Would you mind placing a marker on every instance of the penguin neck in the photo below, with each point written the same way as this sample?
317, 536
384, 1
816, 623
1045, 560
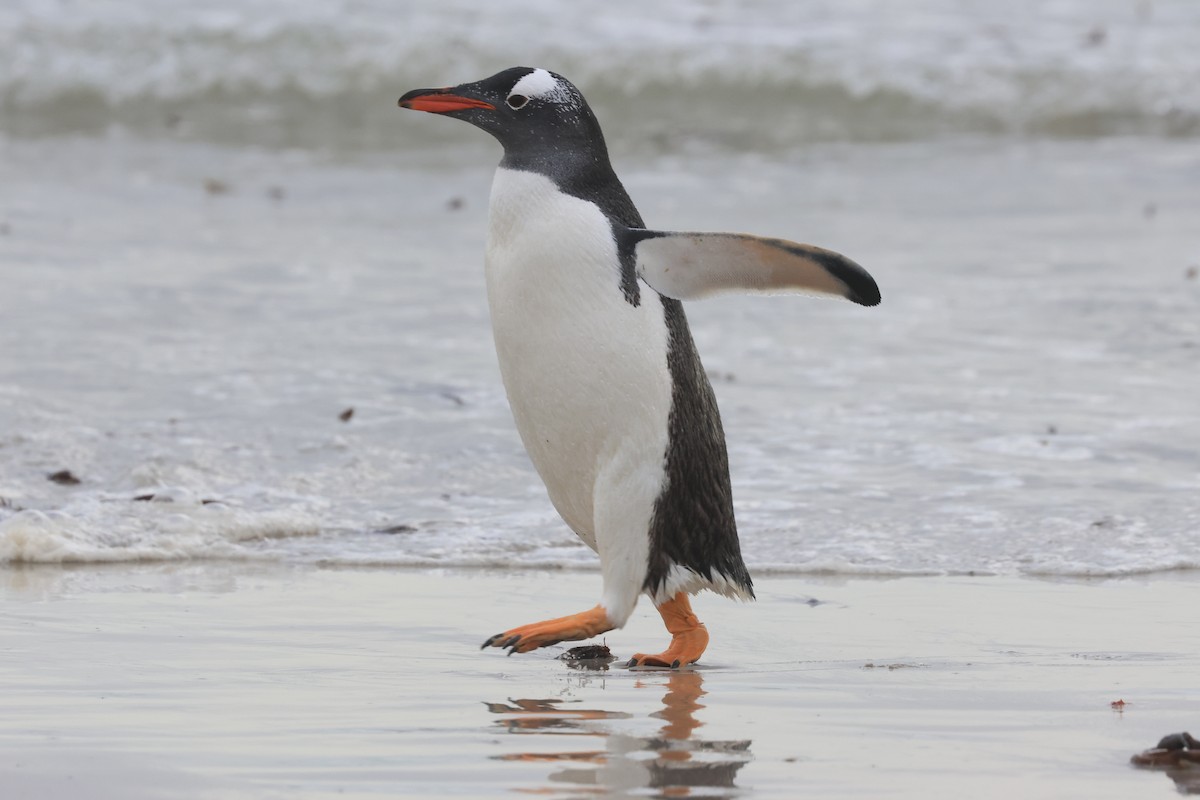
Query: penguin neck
583, 171
565, 163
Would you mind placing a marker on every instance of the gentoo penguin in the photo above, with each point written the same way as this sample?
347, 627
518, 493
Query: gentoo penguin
604, 381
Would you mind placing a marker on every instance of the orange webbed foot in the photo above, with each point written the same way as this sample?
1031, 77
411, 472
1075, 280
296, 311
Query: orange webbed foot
584, 625
689, 637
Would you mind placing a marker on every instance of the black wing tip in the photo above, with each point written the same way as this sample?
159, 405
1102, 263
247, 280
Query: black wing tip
860, 286
865, 295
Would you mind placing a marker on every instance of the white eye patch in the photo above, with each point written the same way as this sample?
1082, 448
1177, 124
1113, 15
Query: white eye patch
541, 85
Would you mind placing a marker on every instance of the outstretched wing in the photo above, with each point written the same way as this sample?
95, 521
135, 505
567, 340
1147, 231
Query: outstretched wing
691, 265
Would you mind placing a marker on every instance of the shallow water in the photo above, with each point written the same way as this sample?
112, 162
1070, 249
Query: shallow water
1022, 401
260, 681
217, 234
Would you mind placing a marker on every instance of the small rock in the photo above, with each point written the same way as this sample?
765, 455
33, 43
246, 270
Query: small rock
1192, 272
393, 529
1150, 210
1174, 751
1178, 741
161, 497
347, 414
588, 656
215, 186
63, 477
455, 204
277, 193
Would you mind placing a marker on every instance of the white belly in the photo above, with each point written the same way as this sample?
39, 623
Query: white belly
585, 371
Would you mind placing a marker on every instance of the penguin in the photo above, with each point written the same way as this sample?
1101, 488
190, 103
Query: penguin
605, 385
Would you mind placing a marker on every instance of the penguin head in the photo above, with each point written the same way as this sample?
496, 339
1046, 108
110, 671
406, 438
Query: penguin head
537, 115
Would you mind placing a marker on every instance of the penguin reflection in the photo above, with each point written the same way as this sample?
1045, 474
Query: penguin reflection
681, 759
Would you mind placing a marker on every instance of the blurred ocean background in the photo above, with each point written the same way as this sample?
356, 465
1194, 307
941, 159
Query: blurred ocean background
242, 312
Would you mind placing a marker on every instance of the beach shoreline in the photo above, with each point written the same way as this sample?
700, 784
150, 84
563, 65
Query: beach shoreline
215, 679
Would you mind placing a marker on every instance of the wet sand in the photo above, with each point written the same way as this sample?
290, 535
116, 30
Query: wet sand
241, 680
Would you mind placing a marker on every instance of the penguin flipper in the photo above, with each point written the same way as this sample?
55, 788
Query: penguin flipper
686, 266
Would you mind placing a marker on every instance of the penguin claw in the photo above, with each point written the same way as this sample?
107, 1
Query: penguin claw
659, 661
505, 639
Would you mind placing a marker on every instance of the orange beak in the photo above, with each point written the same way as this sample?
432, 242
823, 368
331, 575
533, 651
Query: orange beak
440, 101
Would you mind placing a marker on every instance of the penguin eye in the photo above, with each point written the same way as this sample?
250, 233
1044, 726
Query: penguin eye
516, 101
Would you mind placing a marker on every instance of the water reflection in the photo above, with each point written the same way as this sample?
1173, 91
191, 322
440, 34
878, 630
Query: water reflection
674, 762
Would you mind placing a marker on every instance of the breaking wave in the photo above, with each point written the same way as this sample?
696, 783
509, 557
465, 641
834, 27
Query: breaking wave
328, 74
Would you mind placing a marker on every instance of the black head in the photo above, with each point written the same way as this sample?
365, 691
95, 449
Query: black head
539, 117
